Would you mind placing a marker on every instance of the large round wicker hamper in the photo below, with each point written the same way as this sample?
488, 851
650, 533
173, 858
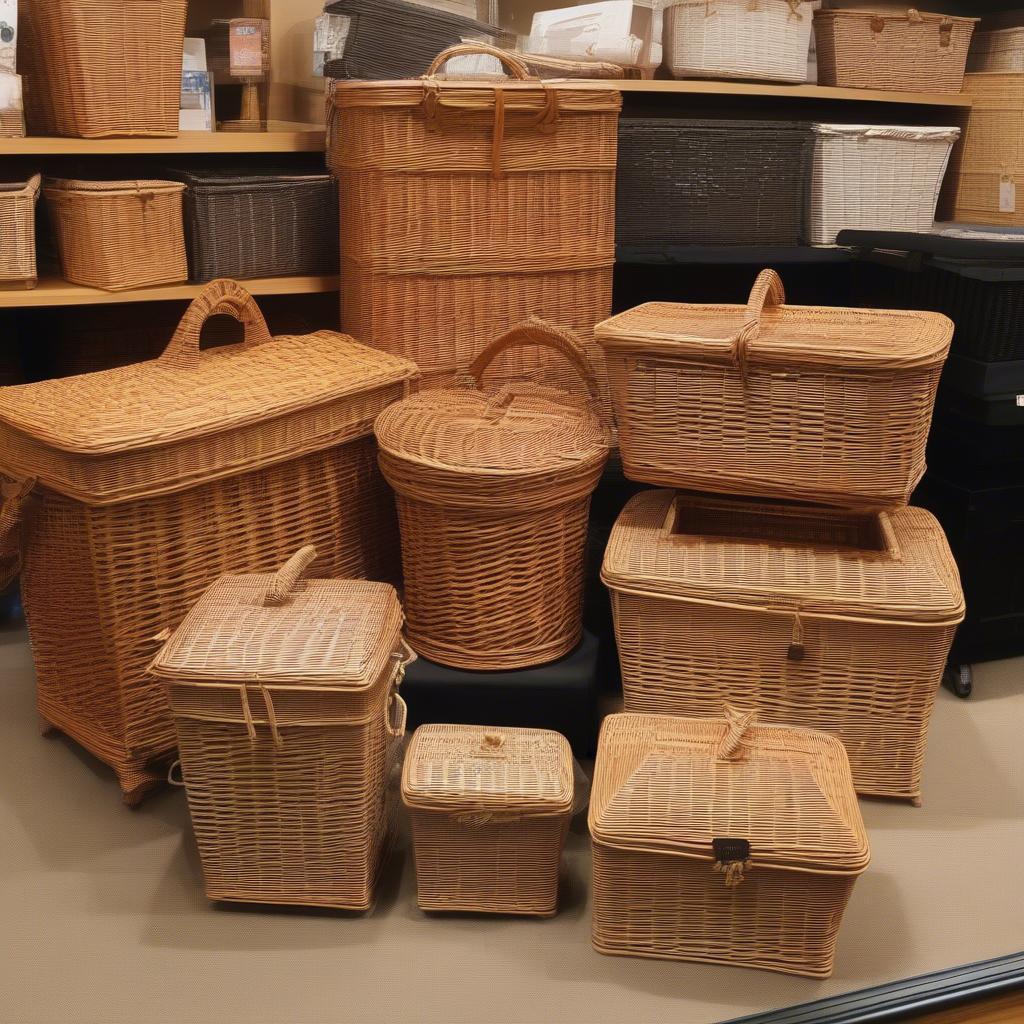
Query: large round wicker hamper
493, 500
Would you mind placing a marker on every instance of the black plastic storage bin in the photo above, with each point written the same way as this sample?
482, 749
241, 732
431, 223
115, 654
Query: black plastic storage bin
690, 182
259, 223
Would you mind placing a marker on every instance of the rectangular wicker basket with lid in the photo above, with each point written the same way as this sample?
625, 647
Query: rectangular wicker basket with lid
156, 478
490, 809
796, 402
284, 694
723, 842
832, 620
468, 206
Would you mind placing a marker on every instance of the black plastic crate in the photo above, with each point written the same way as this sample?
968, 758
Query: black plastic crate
958, 443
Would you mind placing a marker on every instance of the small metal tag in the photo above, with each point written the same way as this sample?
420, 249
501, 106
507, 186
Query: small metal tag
730, 851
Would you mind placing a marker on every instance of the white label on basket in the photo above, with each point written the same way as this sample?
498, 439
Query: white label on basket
1020, 401
1007, 197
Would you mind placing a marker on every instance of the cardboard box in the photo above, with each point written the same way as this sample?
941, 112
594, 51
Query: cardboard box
8, 35
626, 32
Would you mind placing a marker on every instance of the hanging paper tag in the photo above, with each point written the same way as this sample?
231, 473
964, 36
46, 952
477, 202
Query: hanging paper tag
1020, 401
1007, 197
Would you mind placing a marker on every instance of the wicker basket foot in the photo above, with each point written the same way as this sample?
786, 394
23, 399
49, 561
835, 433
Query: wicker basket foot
916, 801
47, 728
134, 790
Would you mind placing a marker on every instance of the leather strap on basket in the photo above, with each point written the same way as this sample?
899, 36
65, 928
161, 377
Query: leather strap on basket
732, 856
218, 297
768, 290
282, 583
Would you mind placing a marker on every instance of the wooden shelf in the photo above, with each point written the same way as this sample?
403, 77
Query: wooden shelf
57, 292
284, 137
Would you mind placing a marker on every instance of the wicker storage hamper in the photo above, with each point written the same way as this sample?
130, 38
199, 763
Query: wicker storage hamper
467, 207
712, 182
796, 402
885, 177
490, 809
259, 223
284, 694
833, 620
117, 235
723, 842
493, 498
97, 68
1000, 51
18, 233
155, 478
904, 51
767, 40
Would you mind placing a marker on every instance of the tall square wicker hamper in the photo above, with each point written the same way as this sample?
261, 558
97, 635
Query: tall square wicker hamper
284, 694
490, 809
468, 206
723, 842
156, 478
832, 620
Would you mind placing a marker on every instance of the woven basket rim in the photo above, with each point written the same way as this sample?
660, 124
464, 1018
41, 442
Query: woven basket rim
925, 16
716, 124
105, 188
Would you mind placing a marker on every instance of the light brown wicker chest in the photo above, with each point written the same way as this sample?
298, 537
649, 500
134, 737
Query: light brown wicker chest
723, 842
490, 809
284, 695
155, 478
830, 620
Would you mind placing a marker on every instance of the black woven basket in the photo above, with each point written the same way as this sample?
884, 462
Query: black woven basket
260, 224
712, 182
391, 39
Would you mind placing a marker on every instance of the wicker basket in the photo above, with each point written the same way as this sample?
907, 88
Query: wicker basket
840, 621
712, 182
96, 68
876, 176
493, 496
18, 233
490, 809
284, 693
118, 235
259, 224
768, 40
1000, 51
156, 478
794, 402
723, 842
904, 51
467, 207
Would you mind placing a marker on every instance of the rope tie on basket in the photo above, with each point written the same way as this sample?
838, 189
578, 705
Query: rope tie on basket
737, 723
733, 870
250, 725
498, 139
797, 649
275, 733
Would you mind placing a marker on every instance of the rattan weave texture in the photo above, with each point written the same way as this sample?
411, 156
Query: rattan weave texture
284, 695
490, 809
795, 402
18, 233
665, 789
493, 499
117, 235
830, 620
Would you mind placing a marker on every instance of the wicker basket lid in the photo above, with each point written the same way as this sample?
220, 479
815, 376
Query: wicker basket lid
765, 331
890, 566
281, 628
474, 769
727, 791
55, 187
906, 133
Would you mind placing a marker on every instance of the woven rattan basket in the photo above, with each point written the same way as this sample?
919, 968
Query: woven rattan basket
118, 235
833, 620
1000, 51
256, 223
155, 478
18, 233
723, 842
490, 809
284, 694
795, 402
904, 51
884, 177
467, 207
493, 497
96, 68
767, 40
712, 182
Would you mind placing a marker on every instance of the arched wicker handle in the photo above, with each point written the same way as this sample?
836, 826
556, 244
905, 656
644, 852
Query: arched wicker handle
283, 582
768, 291
509, 61
738, 722
538, 332
223, 296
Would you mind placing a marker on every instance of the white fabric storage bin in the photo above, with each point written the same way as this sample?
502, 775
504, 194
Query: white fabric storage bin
768, 40
626, 32
876, 177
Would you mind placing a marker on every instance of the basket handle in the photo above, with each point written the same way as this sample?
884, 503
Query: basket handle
768, 291
282, 583
218, 297
535, 331
516, 68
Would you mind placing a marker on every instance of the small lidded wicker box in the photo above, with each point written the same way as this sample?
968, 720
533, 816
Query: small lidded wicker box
490, 809
723, 842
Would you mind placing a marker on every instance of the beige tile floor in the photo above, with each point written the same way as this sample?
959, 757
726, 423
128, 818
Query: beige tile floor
103, 919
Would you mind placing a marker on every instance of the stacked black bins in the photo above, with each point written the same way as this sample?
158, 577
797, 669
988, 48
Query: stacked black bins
975, 480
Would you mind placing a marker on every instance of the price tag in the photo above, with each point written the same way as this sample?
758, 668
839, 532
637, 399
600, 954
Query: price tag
1007, 197
1020, 401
